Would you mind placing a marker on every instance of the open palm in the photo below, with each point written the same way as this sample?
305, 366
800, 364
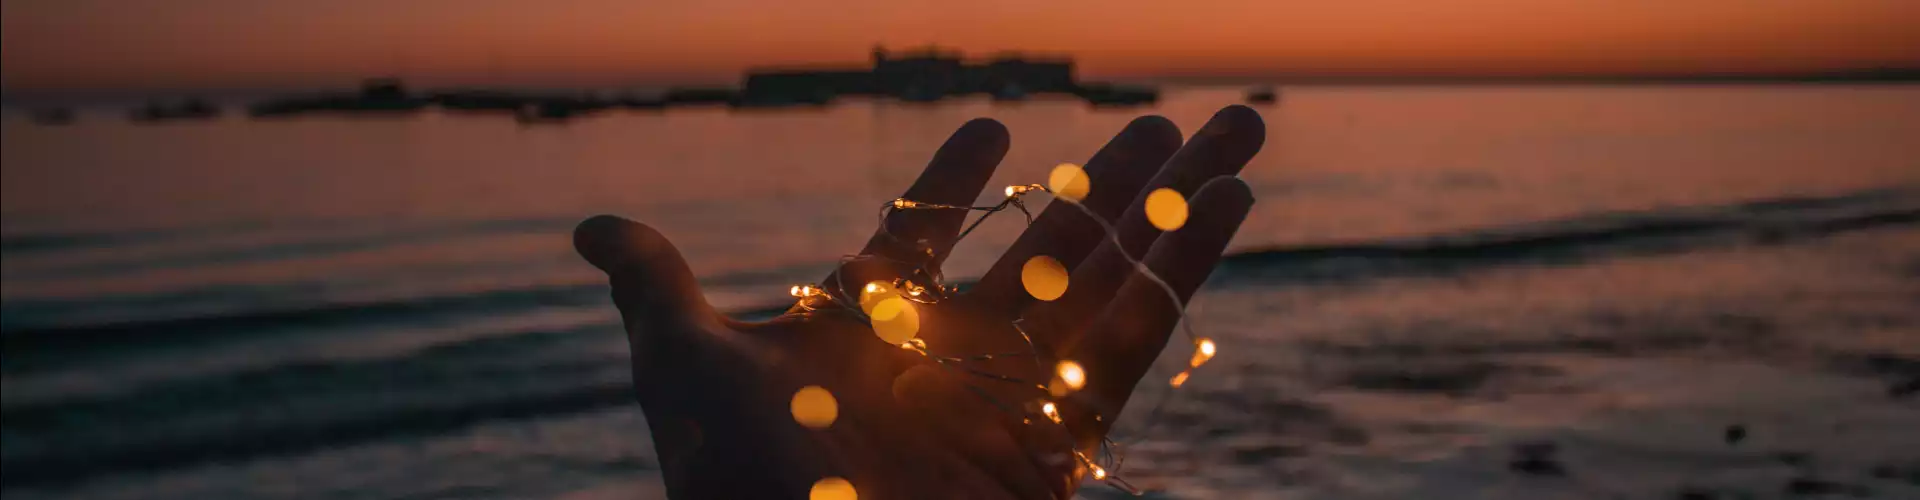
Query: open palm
716, 391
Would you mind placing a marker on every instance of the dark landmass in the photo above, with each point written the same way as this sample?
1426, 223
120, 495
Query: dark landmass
190, 109
52, 116
380, 95
922, 75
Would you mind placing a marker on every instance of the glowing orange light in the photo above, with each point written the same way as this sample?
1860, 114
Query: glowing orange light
894, 320
1166, 209
1069, 181
1052, 412
1044, 277
1071, 374
832, 488
814, 407
1203, 350
1178, 379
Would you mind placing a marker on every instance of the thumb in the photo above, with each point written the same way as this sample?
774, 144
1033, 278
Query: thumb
653, 288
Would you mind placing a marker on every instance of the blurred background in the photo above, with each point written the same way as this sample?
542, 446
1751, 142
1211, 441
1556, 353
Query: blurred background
1503, 249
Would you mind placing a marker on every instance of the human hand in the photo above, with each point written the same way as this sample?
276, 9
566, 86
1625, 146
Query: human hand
716, 391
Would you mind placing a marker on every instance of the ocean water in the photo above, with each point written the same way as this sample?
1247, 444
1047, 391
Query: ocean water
1443, 292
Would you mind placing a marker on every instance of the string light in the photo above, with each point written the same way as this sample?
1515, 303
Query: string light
1166, 209
890, 308
1052, 412
1202, 351
1044, 278
1071, 374
1069, 182
814, 407
832, 488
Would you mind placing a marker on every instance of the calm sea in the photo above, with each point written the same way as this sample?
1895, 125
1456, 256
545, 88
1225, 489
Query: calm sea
1444, 292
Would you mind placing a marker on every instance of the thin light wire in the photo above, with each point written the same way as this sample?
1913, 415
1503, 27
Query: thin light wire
934, 290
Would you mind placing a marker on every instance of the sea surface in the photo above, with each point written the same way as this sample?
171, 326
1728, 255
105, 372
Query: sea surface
1443, 292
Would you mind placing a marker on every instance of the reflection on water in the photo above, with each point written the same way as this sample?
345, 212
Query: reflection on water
1440, 290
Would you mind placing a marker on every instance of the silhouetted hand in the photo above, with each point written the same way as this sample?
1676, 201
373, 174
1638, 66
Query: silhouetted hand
716, 392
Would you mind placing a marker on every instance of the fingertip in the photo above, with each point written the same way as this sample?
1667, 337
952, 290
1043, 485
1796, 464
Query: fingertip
1153, 133
609, 242
982, 131
1237, 119
1225, 189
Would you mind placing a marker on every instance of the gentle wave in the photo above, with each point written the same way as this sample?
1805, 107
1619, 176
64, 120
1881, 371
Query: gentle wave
1578, 239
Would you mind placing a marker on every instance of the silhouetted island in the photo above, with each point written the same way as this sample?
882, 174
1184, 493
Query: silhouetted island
920, 75
52, 116
379, 95
190, 109
926, 74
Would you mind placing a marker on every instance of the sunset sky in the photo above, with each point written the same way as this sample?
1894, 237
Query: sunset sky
111, 44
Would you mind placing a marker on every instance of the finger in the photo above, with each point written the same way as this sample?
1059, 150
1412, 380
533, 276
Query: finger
657, 295
1134, 327
954, 177
1221, 148
1066, 233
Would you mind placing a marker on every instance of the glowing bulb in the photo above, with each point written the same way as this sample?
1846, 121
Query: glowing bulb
1071, 374
1098, 473
1203, 350
1166, 209
814, 407
832, 488
806, 291
1044, 278
795, 291
1052, 412
904, 203
875, 287
894, 320
1069, 181
1178, 379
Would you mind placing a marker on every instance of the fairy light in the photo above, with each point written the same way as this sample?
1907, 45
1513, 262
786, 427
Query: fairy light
1071, 374
1202, 351
1069, 182
1166, 209
1044, 278
814, 407
891, 308
832, 488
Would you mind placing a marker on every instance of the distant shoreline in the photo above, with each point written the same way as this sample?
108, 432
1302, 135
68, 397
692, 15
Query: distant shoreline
12, 98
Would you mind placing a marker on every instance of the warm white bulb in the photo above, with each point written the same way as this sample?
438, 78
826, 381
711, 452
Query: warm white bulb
1072, 374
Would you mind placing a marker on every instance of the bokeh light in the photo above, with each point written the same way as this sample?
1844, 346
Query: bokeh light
832, 488
1166, 209
814, 407
1071, 374
1044, 277
1069, 181
895, 320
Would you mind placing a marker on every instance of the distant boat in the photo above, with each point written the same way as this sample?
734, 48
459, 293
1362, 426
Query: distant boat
191, 109
1116, 95
1262, 95
52, 116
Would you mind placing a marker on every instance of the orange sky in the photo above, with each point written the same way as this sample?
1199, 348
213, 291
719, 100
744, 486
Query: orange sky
50, 44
